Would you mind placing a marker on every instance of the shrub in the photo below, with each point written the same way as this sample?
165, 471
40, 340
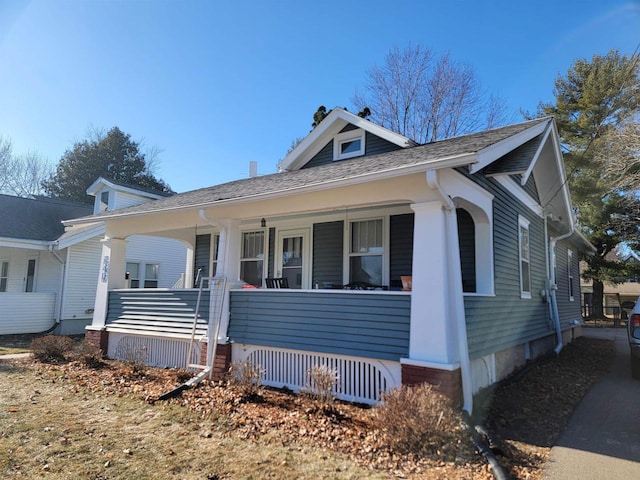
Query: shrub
135, 356
51, 348
88, 354
321, 381
418, 419
247, 376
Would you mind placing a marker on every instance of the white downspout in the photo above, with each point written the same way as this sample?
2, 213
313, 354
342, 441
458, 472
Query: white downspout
455, 285
552, 284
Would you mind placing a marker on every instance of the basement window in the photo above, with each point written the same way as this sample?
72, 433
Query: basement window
349, 144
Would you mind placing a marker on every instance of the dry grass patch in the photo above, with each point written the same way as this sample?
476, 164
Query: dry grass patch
52, 426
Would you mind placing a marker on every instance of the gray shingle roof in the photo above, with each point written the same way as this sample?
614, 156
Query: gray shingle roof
422, 155
36, 219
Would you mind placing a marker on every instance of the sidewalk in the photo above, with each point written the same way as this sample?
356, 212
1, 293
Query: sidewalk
602, 439
14, 356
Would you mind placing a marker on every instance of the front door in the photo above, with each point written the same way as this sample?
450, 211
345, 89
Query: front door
292, 260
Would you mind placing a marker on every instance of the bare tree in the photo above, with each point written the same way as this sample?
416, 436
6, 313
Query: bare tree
427, 97
6, 164
30, 171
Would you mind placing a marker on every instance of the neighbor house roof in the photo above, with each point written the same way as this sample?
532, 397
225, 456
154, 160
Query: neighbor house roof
452, 152
37, 219
102, 182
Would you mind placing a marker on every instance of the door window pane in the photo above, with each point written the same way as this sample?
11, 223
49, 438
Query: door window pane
292, 261
133, 269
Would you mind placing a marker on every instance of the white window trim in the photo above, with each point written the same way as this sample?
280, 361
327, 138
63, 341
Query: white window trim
265, 250
351, 135
570, 278
142, 277
523, 222
4, 260
385, 246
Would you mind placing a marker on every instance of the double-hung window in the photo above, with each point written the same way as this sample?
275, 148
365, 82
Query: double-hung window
252, 258
4, 275
366, 252
525, 258
143, 274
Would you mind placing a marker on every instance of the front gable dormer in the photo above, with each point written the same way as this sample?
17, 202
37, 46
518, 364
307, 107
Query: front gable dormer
110, 195
340, 136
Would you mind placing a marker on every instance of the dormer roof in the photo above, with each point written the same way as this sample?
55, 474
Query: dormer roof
101, 183
332, 125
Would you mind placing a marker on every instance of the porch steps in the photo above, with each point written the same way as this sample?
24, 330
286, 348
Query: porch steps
157, 312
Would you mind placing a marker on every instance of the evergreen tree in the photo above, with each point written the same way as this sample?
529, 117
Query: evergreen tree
595, 102
113, 156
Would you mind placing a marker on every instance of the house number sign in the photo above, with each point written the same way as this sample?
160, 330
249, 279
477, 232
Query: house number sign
105, 269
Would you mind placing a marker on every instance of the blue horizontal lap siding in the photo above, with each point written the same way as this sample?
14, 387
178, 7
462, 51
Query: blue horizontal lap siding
358, 324
506, 320
157, 311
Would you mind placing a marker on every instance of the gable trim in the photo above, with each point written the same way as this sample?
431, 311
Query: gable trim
330, 127
493, 152
514, 189
527, 174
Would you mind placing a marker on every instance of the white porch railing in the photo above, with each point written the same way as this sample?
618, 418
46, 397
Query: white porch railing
32, 312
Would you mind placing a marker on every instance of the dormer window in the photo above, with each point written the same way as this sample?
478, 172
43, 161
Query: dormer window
348, 144
104, 201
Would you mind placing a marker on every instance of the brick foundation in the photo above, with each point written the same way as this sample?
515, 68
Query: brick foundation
221, 362
447, 382
99, 338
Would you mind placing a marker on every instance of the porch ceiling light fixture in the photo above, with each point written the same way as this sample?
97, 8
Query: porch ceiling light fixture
263, 223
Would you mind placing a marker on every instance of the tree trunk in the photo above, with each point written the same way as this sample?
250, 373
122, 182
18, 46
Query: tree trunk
597, 300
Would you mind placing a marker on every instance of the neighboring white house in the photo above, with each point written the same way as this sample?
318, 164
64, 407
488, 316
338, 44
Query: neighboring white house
48, 274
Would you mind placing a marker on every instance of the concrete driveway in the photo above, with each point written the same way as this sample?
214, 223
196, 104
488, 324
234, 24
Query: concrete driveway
602, 439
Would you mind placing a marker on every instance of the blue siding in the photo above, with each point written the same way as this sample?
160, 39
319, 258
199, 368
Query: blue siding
371, 325
373, 146
506, 320
155, 311
400, 248
327, 253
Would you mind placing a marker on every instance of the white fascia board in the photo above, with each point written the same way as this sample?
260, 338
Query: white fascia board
514, 189
526, 175
566, 195
25, 243
495, 151
82, 235
330, 126
94, 188
445, 162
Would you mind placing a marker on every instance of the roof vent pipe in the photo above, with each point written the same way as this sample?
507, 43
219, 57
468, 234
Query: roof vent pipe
253, 169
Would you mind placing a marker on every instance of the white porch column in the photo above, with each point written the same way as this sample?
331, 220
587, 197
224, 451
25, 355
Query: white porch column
229, 249
111, 275
228, 265
432, 331
188, 269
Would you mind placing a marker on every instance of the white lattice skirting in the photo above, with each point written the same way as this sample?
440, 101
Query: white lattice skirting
359, 379
153, 351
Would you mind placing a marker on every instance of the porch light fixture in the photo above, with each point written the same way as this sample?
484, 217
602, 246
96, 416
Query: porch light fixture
263, 223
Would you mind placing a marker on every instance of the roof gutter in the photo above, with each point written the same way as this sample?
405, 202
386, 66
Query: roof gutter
455, 287
445, 162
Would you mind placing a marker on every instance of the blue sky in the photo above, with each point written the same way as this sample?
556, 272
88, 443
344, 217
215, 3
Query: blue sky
217, 84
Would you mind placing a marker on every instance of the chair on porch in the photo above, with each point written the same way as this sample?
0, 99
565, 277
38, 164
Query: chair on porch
277, 282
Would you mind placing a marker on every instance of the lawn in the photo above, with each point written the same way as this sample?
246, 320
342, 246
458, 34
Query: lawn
71, 421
